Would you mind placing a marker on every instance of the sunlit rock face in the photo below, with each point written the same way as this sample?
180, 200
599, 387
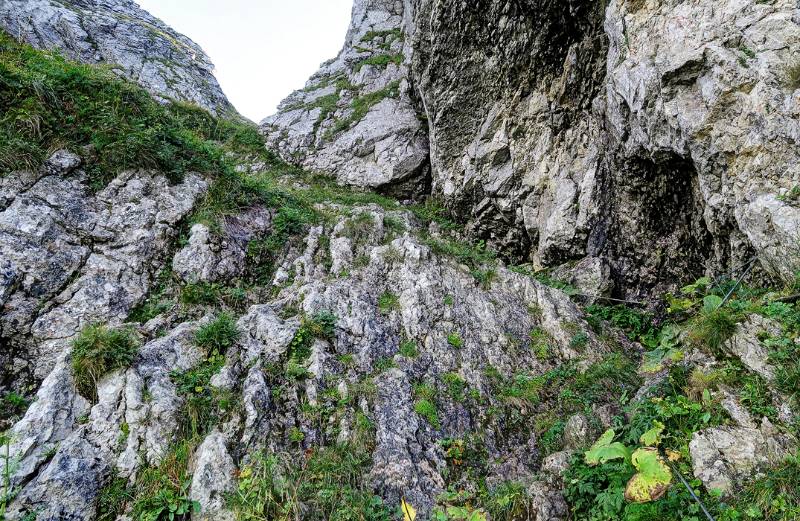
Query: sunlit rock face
355, 118
121, 34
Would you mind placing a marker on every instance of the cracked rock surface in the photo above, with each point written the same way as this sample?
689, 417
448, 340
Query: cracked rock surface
73, 257
120, 33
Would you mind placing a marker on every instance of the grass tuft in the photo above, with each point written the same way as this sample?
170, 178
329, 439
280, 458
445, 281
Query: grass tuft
97, 351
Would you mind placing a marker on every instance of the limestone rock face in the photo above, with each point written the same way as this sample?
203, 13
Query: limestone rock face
723, 455
120, 33
491, 323
658, 135
72, 258
355, 118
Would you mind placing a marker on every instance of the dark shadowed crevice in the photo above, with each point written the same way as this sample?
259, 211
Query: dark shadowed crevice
654, 234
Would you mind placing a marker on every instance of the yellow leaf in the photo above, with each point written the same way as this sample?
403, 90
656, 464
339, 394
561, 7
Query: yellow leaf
673, 455
409, 514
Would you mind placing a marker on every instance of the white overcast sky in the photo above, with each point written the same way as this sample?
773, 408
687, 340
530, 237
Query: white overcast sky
262, 49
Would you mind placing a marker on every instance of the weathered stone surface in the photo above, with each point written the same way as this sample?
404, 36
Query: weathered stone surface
577, 432
215, 257
213, 479
745, 344
355, 118
723, 455
78, 257
120, 33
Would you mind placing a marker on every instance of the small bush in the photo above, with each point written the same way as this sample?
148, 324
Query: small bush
712, 328
97, 351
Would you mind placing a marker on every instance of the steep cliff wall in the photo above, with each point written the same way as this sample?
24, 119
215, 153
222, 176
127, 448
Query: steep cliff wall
121, 34
355, 117
657, 139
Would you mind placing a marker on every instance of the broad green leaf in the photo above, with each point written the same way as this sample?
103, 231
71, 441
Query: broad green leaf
655, 360
653, 478
699, 285
409, 514
711, 303
679, 304
652, 437
605, 450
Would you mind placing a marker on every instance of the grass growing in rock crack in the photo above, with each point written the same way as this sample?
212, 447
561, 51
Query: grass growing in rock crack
162, 492
424, 406
12, 406
218, 335
203, 404
98, 350
361, 105
212, 294
388, 302
455, 340
324, 483
408, 348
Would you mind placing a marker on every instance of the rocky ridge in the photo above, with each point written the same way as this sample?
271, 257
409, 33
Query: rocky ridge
125, 37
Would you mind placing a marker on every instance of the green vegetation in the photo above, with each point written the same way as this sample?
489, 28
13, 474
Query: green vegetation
98, 350
211, 294
384, 364
597, 483
380, 60
455, 386
322, 325
388, 36
361, 105
424, 405
218, 335
12, 405
793, 195
112, 499
162, 492
773, 497
203, 404
324, 483
637, 326
468, 497
408, 348
157, 302
48, 101
454, 339
388, 302
478, 258
541, 343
